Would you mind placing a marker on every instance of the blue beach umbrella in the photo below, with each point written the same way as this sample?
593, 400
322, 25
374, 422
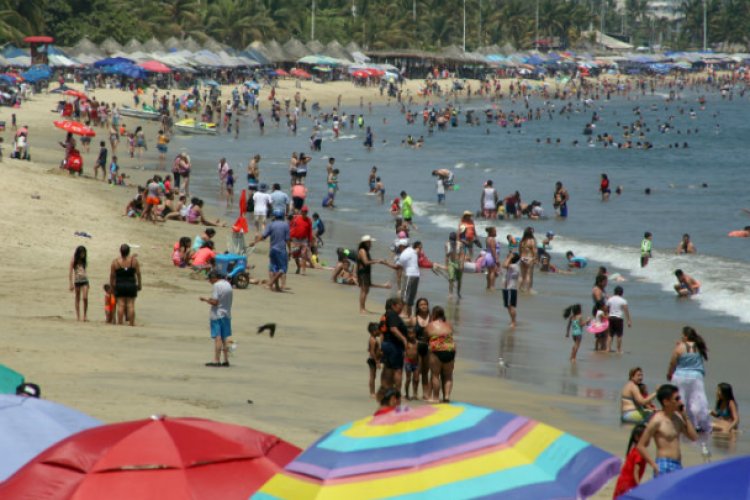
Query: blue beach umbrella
454, 451
724, 479
29, 426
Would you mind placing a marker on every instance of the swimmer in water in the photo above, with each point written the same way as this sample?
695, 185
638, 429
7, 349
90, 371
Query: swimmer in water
686, 246
686, 284
741, 233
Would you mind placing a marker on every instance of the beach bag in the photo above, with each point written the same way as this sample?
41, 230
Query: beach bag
75, 162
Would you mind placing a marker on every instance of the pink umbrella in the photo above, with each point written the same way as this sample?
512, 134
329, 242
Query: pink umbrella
155, 67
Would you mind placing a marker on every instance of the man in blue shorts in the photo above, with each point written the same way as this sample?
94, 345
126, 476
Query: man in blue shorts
278, 256
220, 316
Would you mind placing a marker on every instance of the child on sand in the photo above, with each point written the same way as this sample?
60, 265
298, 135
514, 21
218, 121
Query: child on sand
573, 315
109, 305
411, 363
319, 229
634, 465
113, 168
373, 349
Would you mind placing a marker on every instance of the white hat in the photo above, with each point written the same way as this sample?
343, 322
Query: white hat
365, 238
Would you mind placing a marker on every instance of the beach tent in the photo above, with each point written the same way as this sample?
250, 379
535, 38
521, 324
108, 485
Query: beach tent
172, 43
335, 50
61, 61
277, 53
256, 56
212, 45
153, 45
315, 47
87, 47
37, 73
87, 59
110, 46
10, 51
319, 60
19, 61
126, 69
206, 58
132, 46
296, 49
190, 44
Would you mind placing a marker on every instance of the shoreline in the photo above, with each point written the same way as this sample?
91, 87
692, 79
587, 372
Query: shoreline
120, 373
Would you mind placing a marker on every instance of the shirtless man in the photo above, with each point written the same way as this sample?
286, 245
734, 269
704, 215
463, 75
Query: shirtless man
560, 200
665, 428
686, 284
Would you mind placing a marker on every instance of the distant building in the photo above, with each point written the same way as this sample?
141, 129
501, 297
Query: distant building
665, 9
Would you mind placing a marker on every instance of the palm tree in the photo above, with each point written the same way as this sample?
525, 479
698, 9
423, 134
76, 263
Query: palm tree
19, 18
230, 22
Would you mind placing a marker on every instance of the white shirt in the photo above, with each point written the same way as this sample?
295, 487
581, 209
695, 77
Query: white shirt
409, 260
261, 202
222, 291
440, 186
616, 305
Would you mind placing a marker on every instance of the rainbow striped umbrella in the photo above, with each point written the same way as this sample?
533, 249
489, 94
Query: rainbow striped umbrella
451, 451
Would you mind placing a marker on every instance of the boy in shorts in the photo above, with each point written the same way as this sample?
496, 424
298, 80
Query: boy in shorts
373, 358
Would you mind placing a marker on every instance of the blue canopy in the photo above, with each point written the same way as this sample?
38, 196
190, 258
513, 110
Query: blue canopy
37, 73
126, 69
11, 51
112, 61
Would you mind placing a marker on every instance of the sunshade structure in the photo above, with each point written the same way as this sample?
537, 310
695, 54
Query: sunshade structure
728, 478
153, 45
29, 426
133, 46
322, 60
213, 45
111, 61
315, 47
296, 49
451, 451
110, 46
300, 73
76, 128
9, 378
155, 67
336, 51
164, 458
172, 43
85, 47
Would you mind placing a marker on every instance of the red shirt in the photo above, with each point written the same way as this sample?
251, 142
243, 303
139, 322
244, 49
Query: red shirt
202, 256
383, 411
626, 481
301, 228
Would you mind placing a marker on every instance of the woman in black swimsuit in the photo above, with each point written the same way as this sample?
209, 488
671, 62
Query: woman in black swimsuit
422, 318
125, 280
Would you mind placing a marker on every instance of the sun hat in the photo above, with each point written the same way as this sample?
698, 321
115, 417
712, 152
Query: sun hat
366, 238
468, 212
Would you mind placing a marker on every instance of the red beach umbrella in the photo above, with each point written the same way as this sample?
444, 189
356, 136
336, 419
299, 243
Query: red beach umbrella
360, 74
156, 458
280, 72
375, 71
76, 93
155, 67
300, 73
76, 128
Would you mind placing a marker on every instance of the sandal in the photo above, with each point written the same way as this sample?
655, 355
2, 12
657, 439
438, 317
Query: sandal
225, 363
213, 364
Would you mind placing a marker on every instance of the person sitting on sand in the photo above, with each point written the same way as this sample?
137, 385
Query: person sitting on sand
634, 406
389, 399
195, 215
726, 415
686, 284
182, 255
202, 238
203, 258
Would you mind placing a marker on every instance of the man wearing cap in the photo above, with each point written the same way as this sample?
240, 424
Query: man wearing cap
278, 230
261, 202
300, 231
220, 316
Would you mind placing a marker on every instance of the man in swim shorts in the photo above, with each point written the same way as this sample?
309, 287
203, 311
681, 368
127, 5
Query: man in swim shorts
618, 313
220, 316
665, 428
686, 284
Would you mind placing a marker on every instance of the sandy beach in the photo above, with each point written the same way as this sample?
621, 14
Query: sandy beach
308, 379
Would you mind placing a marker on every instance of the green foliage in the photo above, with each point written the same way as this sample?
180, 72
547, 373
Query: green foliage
373, 23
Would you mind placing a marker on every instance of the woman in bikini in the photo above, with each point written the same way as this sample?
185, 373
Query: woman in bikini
527, 250
79, 282
125, 281
634, 407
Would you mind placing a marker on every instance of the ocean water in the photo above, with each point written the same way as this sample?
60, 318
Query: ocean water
700, 190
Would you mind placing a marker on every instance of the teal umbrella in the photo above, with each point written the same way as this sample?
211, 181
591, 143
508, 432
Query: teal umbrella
9, 380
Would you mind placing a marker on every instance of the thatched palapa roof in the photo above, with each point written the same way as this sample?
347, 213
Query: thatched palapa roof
296, 49
315, 47
132, 46
277, 53
172, 43
85, 46
153, 45
110, 46
213, 45
190, 44
335, 50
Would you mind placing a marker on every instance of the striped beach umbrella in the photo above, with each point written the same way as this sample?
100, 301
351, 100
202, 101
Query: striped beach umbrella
454, 451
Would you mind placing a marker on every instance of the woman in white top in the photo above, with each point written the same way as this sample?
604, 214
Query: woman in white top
489, 201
